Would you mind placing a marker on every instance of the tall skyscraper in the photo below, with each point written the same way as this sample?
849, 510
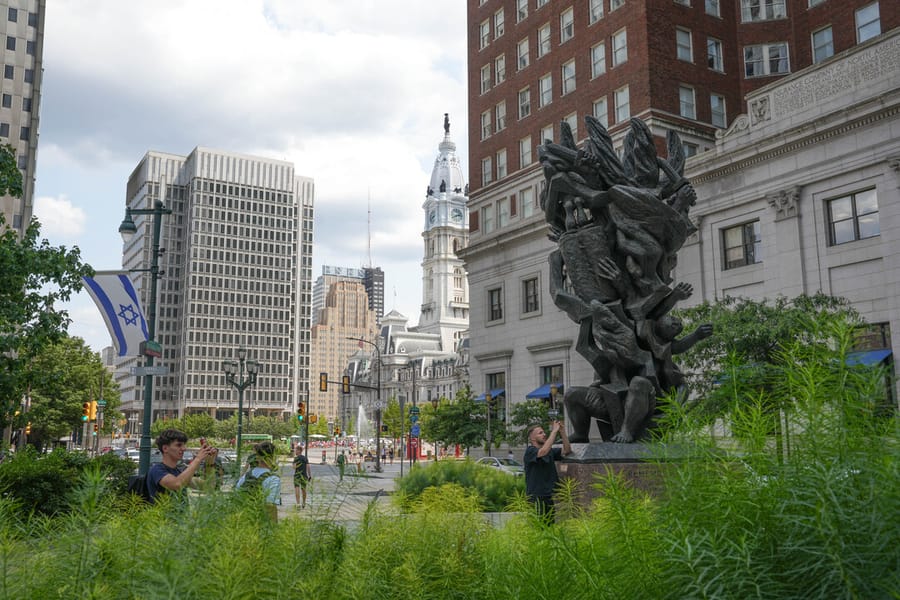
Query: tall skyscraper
330, 275
373, 279
680, 65
23, 33
237, 273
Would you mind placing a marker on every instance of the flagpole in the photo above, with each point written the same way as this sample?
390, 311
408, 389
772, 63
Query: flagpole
127, 228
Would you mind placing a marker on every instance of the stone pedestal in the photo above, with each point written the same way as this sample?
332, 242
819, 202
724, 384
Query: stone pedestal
638, 463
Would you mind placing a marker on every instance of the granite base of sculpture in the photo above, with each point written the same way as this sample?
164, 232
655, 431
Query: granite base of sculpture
618, 225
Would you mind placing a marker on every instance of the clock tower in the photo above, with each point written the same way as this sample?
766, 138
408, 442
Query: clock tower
445, 289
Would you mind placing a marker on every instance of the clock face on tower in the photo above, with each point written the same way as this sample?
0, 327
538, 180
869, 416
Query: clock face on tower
432, 216
456, 215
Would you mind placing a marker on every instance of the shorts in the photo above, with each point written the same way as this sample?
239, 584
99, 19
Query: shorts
301, 482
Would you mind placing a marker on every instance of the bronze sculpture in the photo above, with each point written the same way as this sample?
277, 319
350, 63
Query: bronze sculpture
618, 225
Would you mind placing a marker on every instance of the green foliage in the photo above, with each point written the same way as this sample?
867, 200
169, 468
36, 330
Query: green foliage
10, 175
524, 415
494, 488
41, 484
34, 279
462, 422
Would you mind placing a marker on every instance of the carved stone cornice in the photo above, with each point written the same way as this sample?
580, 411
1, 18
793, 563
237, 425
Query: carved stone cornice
785, 202
894, 162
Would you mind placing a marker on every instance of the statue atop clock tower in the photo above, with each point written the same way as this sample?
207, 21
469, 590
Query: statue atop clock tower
445, 290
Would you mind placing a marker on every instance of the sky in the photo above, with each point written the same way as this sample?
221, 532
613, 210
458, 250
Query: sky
353, 92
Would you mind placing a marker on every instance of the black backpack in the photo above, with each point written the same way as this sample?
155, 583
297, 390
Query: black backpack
137, 485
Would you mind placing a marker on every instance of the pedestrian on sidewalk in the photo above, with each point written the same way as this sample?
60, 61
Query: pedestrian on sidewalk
341, 463
302, 475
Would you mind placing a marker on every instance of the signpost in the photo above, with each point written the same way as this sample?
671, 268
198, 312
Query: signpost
150, 370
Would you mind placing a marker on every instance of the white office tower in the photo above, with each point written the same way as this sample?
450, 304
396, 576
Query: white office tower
237, 264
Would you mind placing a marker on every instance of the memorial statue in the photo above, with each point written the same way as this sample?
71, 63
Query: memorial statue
618, 225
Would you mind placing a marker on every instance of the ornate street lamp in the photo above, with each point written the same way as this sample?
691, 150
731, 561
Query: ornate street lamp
234, 374
127, 229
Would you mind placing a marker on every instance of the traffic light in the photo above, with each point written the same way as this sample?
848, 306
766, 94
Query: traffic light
93, 413
337, 431
323, 382
345, 384
28, 428
96, 428
301, 411
313, 419
85, 411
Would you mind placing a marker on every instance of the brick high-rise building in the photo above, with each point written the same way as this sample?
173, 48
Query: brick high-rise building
22, 29
680, 65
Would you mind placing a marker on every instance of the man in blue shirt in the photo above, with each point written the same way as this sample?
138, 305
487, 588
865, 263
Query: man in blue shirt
166, 476
540, 466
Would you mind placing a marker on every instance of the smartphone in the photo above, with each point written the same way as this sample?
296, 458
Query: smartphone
552, 414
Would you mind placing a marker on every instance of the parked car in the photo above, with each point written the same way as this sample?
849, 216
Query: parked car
506, 465
134, 454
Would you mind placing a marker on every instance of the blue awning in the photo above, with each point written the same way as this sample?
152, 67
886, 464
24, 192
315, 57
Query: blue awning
544, 391
495, 393
868, 358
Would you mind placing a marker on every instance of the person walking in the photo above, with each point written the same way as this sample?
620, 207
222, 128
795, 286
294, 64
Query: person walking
341, 463
264, 474
302, 475
540, 459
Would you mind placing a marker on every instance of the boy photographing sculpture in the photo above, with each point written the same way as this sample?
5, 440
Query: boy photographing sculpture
167, 477
540, 466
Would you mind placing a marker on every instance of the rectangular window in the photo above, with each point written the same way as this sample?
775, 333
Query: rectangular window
619, 47
568, 77
8, 71
822, 44
7, 101
523, 53
540, 3
32, 19
623, 108
496, 381
499, 23
868, 22
687, 105
485, 33
853, 217
552, 374
526, 200
12, 15
500, 69
601, 111
11, 42
4, 130
566, 25
524, 103
598, 60
521, 10
501, 169
742, 245
546, 90
543, 40
524, 152
683, 2
762, 10
689, 149
547, 134
614, 4
712, 7
495, 304
30, 48
29, 75
486, 173
595, 11
25, 133
766, 59
485, 78
714, 55
487, 218
530, 296
683, 46
500, 116
26, 104
717, 110
485, 124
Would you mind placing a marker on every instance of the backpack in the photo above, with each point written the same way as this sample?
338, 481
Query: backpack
253, 483
137, 485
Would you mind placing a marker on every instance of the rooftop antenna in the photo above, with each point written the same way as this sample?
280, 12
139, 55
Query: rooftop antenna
369, 242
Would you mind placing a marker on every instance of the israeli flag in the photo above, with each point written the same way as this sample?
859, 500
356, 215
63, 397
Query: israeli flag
117, 300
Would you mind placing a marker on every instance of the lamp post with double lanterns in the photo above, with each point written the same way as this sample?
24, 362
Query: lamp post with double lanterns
378, 405
234, 374
150, 348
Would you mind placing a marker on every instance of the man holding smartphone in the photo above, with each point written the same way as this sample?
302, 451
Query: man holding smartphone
167, 476
540, 466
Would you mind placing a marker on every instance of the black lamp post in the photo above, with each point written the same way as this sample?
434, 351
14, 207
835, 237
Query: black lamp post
127, 229
377, 403
488, 401
435, 402
234, 374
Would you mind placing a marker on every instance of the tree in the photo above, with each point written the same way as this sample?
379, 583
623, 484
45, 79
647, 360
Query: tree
748, 335
524, 415
63, 376
34, 278
460, 422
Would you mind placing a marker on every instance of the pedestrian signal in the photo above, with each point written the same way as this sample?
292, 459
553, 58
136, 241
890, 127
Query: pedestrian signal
323, 382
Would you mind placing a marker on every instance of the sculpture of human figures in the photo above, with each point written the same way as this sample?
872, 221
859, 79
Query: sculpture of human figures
618, 226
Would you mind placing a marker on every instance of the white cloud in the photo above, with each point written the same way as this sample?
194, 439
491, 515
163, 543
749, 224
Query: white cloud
59, 217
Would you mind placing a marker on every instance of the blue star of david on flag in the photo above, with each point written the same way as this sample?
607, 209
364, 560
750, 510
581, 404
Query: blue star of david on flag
117, 300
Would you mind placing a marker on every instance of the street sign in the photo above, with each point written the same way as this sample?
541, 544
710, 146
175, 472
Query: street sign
413, 418
101, 402
154, 370
414, 431
379, 404
414, 410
